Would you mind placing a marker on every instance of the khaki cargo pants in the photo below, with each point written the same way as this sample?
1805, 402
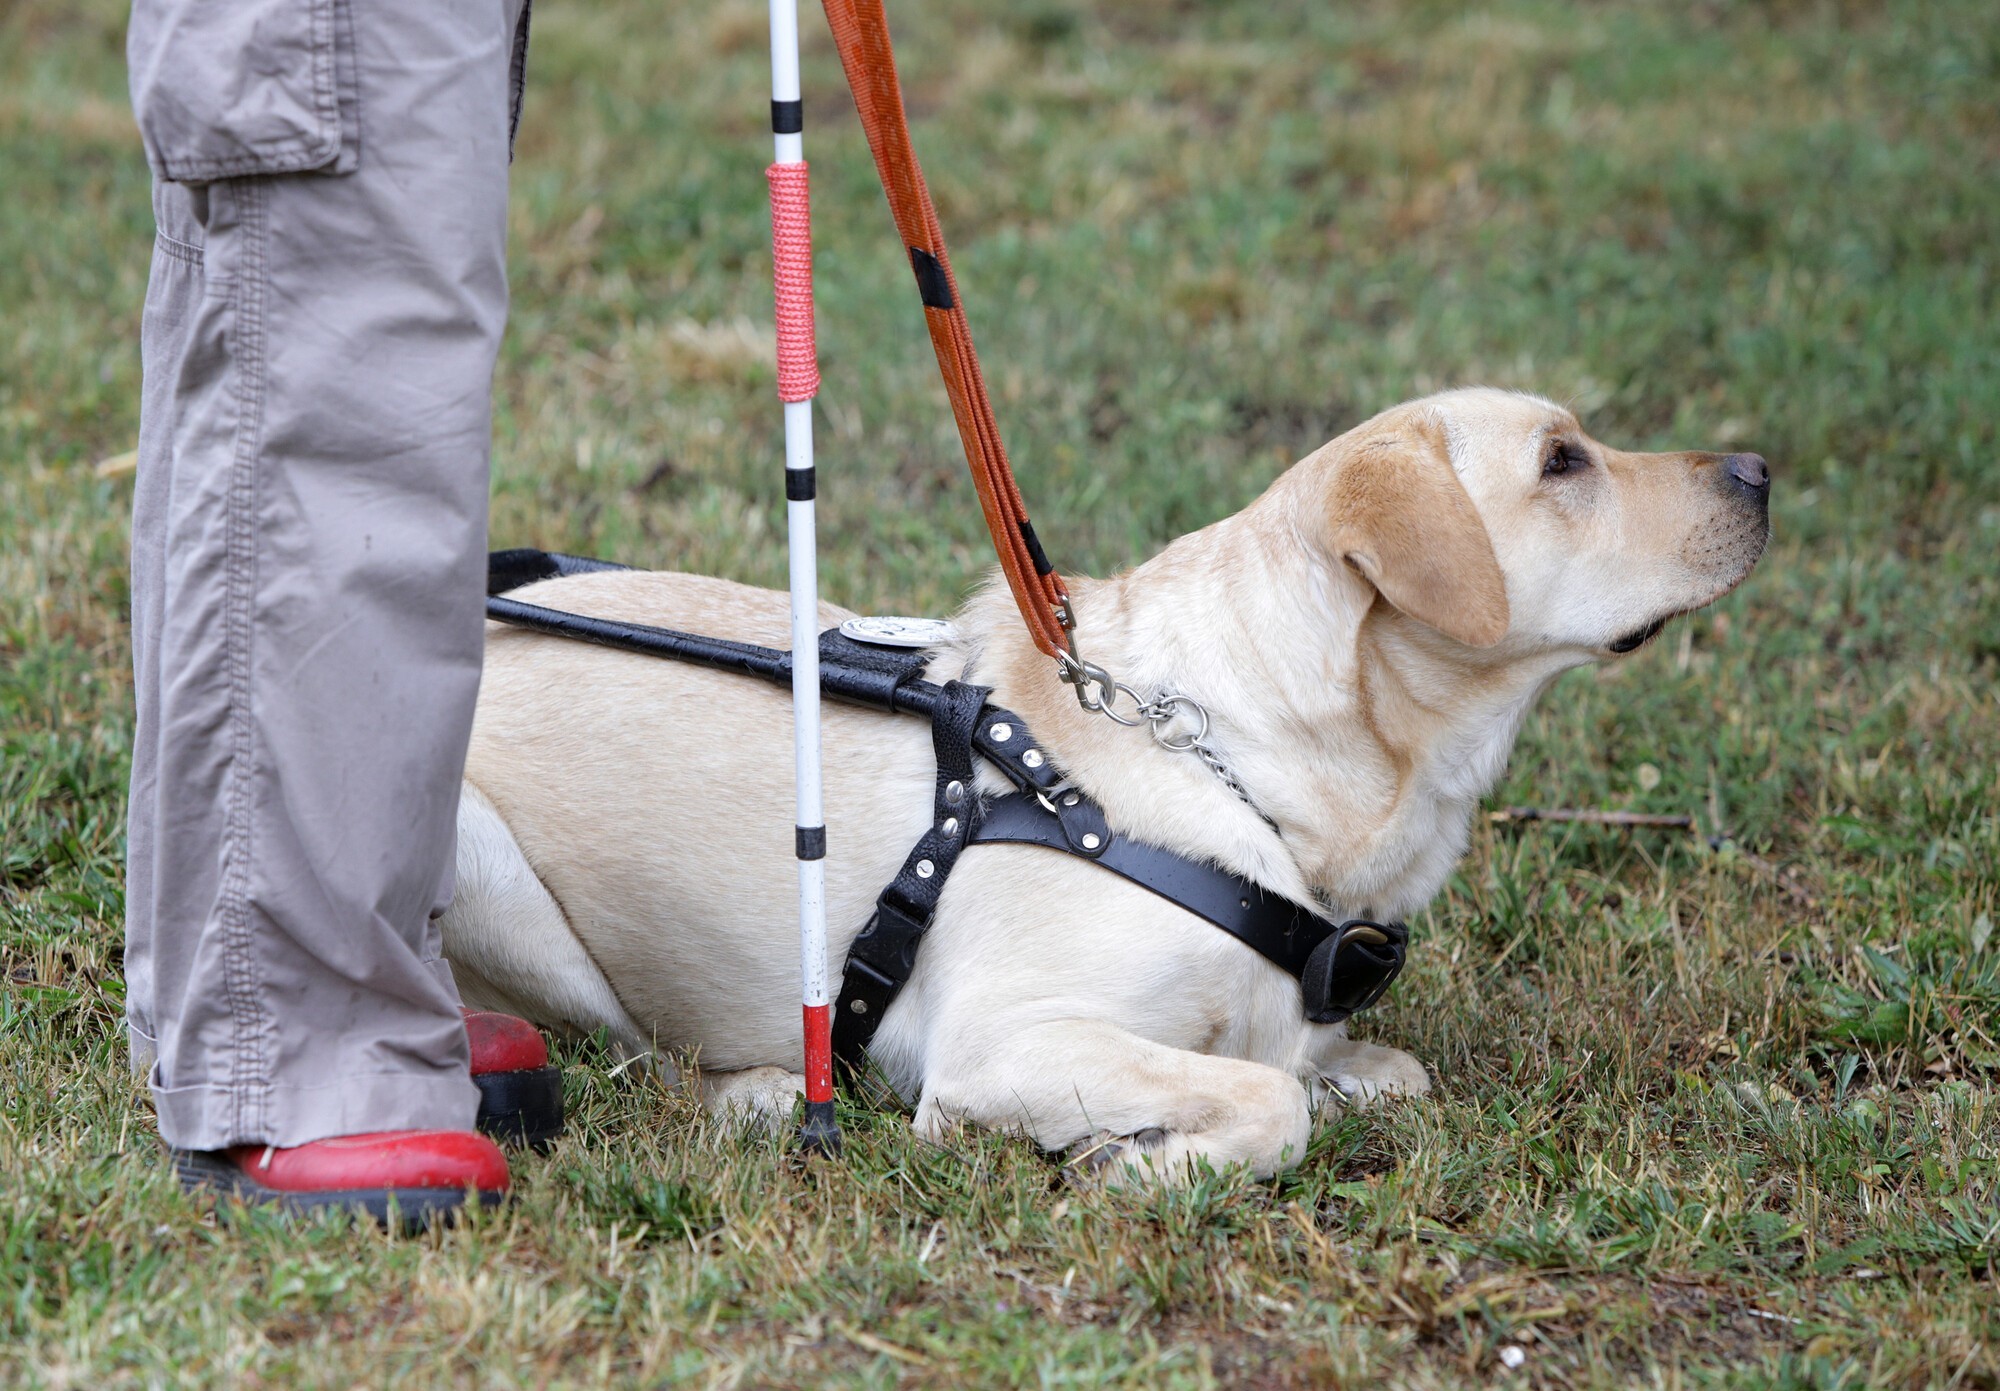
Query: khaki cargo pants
308, 539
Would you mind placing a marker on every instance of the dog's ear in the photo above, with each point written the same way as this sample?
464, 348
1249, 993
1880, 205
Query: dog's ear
1398, 516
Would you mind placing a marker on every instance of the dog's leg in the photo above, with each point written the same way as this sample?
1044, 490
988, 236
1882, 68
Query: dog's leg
1363, 1072
510, 946
761, 1096
1134, 1111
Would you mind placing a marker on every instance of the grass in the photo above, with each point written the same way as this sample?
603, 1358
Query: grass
1705, 1116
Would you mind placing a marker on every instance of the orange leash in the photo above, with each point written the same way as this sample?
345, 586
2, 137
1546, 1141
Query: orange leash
861, 33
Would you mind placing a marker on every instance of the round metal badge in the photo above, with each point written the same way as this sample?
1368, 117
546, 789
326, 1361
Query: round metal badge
900, 632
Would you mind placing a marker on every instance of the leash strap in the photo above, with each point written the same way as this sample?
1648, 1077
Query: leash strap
861, 33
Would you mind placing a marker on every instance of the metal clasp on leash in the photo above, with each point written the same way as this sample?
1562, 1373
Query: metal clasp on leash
1085, 675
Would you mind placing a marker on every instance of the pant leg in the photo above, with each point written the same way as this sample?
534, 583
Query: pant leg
308, 567
172, 293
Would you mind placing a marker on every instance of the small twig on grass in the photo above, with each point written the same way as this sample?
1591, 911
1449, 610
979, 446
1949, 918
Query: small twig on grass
1774, 1318
1591, 816
1595, 816
666, 471
863, 1339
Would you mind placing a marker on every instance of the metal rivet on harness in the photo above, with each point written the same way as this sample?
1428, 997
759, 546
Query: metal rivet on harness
1033, 758
1072, 799
1090, 840
950, 827
925, 869
1002, 732
954, 792
859, 1007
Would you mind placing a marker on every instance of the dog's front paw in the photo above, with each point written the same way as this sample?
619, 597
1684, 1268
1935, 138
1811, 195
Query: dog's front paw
759, 1096
1362, 1073
1116, 1161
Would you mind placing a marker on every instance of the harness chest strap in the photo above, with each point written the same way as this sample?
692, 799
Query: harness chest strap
1341, 968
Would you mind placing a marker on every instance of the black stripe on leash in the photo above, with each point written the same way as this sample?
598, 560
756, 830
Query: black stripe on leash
1035, 551
933, 285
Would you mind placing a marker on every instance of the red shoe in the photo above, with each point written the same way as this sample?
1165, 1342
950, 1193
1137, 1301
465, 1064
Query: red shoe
520, 1094
418, 1175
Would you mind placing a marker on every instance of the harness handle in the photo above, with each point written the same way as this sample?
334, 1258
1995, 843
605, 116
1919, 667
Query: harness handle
861, 33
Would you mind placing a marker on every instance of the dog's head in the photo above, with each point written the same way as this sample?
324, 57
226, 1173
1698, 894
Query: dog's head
1494, 519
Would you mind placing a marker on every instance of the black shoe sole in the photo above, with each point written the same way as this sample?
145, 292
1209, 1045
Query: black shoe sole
411, 1209
521, 1108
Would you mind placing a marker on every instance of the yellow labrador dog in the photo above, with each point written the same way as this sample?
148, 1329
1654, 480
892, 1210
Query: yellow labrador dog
1368, 636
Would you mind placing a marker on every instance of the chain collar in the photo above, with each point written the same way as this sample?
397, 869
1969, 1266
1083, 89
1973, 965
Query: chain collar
1156, 715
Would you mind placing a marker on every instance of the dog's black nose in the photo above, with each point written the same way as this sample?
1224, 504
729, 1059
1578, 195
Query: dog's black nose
1750, 470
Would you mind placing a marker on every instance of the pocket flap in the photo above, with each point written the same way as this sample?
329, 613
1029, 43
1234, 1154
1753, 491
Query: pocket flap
225, 88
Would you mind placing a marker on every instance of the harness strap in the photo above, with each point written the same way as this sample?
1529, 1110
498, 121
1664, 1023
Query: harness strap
882, 957
1341, 967
962, 724
861, 33
507, 570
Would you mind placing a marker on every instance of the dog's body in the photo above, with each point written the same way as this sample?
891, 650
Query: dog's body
1368, 636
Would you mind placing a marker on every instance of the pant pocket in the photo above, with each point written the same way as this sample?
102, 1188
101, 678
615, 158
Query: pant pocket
227, 88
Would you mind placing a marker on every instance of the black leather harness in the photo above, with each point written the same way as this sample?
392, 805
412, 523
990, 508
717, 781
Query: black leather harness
1341, 967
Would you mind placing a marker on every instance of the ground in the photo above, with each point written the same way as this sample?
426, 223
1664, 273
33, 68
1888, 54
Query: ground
1705, 1114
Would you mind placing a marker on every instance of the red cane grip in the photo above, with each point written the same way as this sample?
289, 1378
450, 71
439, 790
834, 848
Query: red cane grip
819, 1053
792, 274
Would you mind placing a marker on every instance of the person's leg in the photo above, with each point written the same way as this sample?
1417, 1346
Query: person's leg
308, 572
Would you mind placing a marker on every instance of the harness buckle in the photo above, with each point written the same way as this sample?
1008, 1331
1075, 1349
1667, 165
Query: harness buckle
1352, 969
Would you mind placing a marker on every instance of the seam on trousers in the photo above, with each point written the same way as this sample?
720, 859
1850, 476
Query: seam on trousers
249, 1070
325, 70
179, 250
299, 156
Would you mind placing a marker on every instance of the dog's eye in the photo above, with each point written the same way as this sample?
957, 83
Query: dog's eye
1564, 457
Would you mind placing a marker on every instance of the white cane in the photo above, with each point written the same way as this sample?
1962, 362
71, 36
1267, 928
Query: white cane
798, 382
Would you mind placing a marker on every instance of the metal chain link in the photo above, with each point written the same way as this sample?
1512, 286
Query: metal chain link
1156, 715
